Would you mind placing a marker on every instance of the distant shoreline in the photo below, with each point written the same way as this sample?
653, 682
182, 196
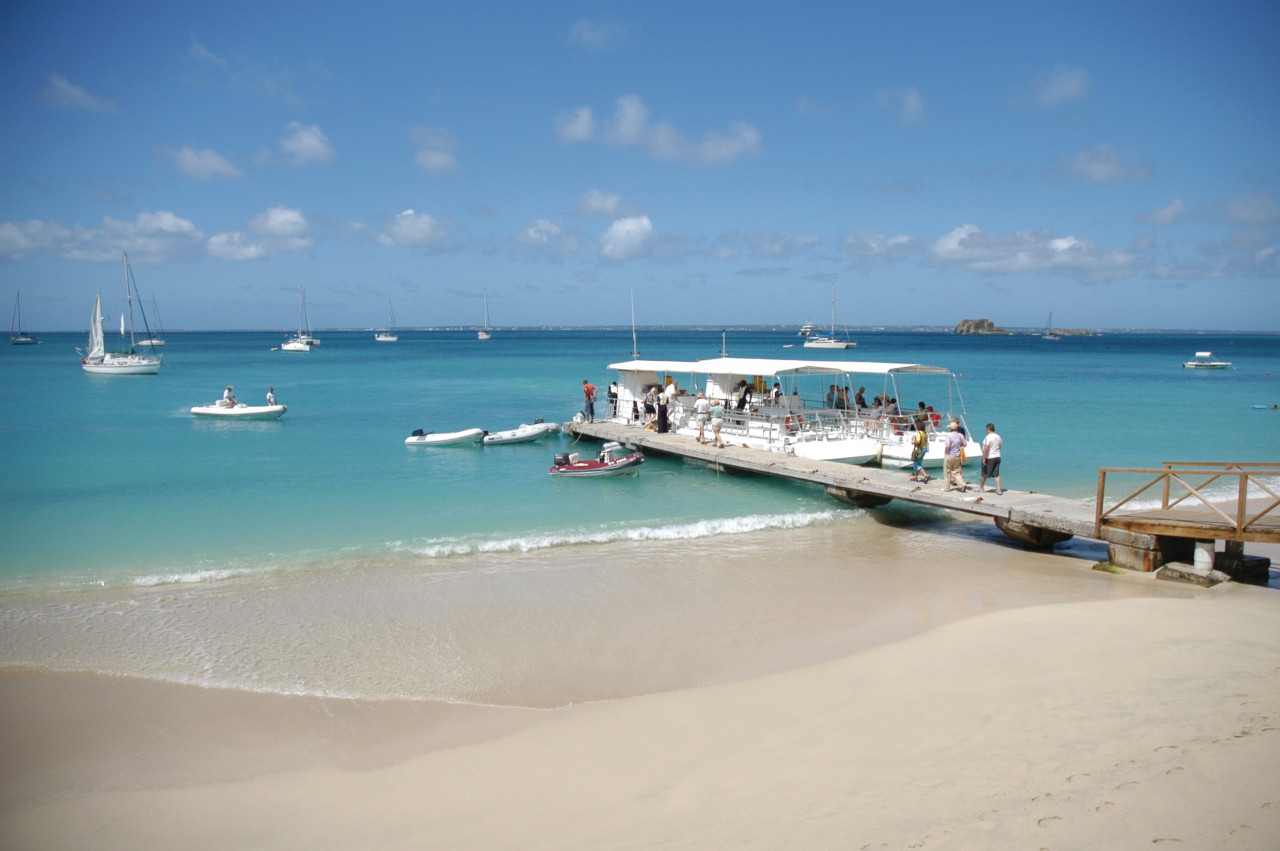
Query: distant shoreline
1012, 331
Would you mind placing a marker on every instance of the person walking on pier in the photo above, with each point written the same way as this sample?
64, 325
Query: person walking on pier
991, 459
951, 471
717, 421
701, 409
919, 447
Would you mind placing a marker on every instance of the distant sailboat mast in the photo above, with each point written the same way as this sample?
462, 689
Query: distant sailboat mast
635, 350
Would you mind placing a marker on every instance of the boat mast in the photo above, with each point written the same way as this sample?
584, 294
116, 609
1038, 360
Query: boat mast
128, 295
635, 350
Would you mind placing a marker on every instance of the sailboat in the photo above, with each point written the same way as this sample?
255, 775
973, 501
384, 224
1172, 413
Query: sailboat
16, 335
1048, 333
98, 360
823, 341
389, 335
483, 333
302, 341
156, 339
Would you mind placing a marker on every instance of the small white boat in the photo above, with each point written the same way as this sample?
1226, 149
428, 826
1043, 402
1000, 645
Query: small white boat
831, 341
302, 341
524, 433
17, 337
157, 338
1049, 333
444, 438
388, 335
610, 462
806, 329
1205, 360
240, 411
483, 333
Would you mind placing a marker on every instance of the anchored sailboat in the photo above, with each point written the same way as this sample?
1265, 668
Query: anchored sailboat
16, 335
389, 335
483, 333
302, 341
156, 339
98, 360
830, 342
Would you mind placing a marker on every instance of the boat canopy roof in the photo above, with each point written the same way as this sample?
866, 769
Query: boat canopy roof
776, 366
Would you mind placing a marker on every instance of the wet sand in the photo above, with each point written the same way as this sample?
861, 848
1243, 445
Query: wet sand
991, 698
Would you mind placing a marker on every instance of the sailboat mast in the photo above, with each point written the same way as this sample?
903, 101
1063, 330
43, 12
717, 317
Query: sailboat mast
635, 350
128, 296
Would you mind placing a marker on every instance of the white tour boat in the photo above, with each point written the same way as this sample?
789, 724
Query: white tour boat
469, 436
240, 411
798, 419
831, 341
524, 433
388, 335
1205, 360
97, 360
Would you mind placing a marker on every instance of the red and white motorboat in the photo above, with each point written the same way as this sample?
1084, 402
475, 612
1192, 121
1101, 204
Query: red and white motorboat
610, 462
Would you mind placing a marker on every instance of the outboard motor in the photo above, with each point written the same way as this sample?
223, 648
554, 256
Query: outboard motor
417, 432
561, 459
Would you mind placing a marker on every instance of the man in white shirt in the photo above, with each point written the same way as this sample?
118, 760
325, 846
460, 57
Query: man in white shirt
991, 459
701, 408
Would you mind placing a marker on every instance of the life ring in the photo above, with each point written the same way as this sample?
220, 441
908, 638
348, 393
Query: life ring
792, 425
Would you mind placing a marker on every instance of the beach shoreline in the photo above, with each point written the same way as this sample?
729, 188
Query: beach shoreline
1082, 708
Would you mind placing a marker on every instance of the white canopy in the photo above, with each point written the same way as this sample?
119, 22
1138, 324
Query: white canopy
775, 366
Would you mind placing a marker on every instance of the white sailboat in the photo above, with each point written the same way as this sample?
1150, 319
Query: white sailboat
302, 341
16, 335
389, 335
1048, 331
98, 360
156, 339
483, 333
823, 341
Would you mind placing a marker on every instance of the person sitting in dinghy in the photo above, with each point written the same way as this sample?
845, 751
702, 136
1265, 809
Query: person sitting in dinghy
228, 398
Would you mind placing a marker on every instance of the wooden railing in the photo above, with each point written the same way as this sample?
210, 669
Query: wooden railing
1178, 472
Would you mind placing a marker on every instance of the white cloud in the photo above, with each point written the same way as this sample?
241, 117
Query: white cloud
596, 35
1028, 251
276, 230
435, 150
410, 229
1061, 85
1102, 164
1252, 208
540, 232
233, 245
868, 244
631, 127
204, 164
626, 238
149, 238
577, 125
1170, 214
772, 243
306, 143
596, 204
60, 92
907, 103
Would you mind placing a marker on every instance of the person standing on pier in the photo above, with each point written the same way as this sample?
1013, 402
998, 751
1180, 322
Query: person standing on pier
717, 421
589, 391
991, 459
919, 448
701, 410
951, 471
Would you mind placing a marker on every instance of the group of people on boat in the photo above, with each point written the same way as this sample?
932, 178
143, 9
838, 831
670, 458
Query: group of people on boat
229, 399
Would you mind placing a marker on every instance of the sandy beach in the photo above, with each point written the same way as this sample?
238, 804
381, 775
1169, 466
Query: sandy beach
1125, 714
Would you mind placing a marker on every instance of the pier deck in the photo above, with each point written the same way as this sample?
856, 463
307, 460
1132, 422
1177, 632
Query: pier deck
1058, 518
1140, 540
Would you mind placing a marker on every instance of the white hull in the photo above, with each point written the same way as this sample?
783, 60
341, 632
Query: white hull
295, 345
828, 343
524, 434
151, 343
240, 412
386, 338
1204, 360
123, 365
447, 438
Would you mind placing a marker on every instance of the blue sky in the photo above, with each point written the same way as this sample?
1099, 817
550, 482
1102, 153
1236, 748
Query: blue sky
1117, 164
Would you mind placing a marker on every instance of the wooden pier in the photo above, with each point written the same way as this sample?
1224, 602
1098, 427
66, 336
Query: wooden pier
1035, 519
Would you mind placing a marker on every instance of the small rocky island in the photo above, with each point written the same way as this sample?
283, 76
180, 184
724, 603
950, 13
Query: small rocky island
979, 326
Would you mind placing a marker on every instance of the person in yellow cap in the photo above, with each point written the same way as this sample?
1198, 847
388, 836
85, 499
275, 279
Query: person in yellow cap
951, 471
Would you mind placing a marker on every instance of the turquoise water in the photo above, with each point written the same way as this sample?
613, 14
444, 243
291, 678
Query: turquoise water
110, 480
